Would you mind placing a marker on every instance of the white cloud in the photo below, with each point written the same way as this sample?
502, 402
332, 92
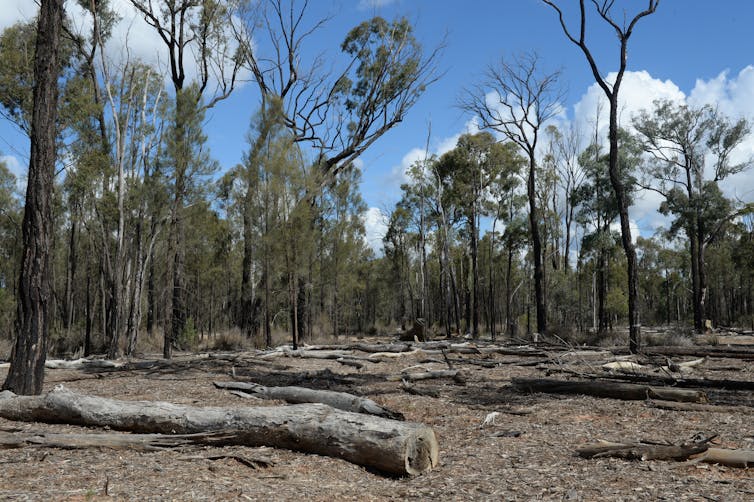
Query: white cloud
374, 4
399, 173
375, 226
637, 92
132, 38
12, 164
14, 11
632, 224
18, 170
733, 96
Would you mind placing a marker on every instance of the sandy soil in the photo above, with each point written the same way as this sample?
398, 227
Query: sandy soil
527, 454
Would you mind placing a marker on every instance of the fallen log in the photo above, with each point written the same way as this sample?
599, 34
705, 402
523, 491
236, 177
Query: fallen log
694, 452
416, 391
77, 364
297, 395
714, 408
659, 380
115, 441
641, 451
389, 446
740, 352
730, 458
456, 375
615, 390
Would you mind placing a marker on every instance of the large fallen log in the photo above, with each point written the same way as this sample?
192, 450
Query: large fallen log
385, 445
661, 380
615, 390
297, 395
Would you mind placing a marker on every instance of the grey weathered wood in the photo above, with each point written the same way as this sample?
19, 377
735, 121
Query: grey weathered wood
385, 445
296, 395
608, 389
117, 441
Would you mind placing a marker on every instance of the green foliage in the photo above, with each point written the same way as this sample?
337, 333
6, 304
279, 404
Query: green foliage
189, 338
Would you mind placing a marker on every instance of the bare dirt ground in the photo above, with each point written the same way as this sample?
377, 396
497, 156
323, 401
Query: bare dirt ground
527, 454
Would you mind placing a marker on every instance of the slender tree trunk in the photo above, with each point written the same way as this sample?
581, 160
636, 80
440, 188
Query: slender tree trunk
539, 293
89, 313
621, 196
474, 277
70, 274
490, 279
151, 296
26, 372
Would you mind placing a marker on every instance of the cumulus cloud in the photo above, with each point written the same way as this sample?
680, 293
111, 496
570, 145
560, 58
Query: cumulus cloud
375, 225
398, 174
637, 92
733, 96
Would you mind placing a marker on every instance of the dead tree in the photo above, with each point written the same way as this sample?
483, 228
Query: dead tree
524, 99
622, 192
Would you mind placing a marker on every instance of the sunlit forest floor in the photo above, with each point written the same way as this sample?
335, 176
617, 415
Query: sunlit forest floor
525, 453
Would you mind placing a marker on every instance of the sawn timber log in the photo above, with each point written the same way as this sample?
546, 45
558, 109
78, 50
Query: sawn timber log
385, 445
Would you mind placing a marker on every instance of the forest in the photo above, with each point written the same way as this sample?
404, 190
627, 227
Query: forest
521, 230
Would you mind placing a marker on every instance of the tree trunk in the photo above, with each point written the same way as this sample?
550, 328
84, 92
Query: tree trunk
26, 373
539, 294
621, 195
386, 445
70, 274
474, 276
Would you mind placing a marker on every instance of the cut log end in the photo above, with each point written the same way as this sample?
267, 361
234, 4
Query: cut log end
422, 452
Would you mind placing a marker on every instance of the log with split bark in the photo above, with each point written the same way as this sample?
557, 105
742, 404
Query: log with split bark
385, 445
608, 389
297, 395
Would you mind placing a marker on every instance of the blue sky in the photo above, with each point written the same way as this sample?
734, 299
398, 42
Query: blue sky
694, 50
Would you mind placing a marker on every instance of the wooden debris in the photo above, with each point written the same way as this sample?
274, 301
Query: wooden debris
713, 408
385, 445
698, 451
418, 391
615, 390
456, 375
731, 458
82, 363
737, 352
296, 395
642, 451
116, 441
251, 462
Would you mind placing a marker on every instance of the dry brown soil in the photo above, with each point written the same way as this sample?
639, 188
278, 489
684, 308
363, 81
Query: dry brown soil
527, 454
